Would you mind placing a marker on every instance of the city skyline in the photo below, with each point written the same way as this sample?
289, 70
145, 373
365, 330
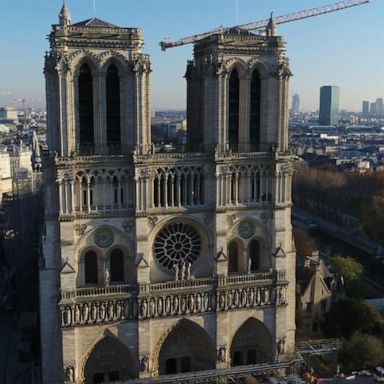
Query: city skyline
314, 62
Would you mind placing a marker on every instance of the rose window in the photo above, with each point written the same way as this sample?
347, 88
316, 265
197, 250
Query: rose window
175, 243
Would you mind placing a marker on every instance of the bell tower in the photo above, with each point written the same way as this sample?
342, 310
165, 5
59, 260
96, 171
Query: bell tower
97, 81
237, 92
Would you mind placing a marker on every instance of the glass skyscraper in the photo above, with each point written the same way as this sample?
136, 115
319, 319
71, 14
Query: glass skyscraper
329, 105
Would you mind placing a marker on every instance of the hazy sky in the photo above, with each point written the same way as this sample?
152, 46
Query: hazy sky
343, 48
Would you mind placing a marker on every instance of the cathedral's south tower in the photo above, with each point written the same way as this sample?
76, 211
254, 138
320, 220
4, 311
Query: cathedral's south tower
165, 263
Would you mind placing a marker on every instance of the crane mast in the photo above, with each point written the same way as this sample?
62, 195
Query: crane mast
263, 23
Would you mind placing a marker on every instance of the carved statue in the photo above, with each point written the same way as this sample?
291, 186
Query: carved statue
69, 374
102, 312
85, 313
221, 353
106, 277
152, 308
183, 270
176, 268
198, 302
176, 304
67, 316
77, 313
189, 266
111, 310
251, 297
143, 309
281, 346
205, 301
222, 301
160, 306
168, 305
258, 296
266, 296
236, 299
191, 303
144, 364
118, 310
94, 312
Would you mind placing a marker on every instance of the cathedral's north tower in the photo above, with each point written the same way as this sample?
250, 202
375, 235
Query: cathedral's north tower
165, 263
97, 81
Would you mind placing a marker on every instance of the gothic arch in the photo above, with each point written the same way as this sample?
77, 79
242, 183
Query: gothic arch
129, 267
238, 64
110, 358
235, 250
196, 223
109, 58
185, 347
252, 344
81, 269
120, 239
78, 58
260, 66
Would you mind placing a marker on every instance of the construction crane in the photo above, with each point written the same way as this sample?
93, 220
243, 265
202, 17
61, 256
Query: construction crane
263, 23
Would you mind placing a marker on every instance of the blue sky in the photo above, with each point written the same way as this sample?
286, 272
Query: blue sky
343, 48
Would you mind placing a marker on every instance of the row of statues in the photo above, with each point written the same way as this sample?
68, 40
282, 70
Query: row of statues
182, 270
170, 305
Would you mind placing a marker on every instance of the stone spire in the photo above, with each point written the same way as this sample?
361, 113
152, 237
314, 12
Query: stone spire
271, 26
64, 15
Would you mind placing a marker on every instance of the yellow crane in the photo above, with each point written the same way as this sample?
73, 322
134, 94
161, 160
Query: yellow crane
263, 23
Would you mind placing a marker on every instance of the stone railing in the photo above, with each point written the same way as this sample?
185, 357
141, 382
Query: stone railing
180, 284
111, 290
243, 279
244, 155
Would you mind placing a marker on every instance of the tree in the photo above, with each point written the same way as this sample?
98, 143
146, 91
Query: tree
373, 218
348, 316
362, 351
346, 267
350, 270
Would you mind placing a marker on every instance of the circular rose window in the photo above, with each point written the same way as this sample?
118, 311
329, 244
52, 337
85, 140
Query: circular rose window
175, 243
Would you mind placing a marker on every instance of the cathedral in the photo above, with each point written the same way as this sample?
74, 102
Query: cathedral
165, 267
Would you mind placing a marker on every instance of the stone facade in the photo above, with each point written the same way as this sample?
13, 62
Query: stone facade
161, 263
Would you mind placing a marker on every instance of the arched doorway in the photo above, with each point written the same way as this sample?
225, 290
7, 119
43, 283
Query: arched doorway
187, 348
109, 361
252, 344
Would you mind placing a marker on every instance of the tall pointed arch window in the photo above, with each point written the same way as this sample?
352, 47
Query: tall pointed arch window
254, 255
254, 118
90, 268
116, 263
85, 87
233, 110
233, 257
113, 109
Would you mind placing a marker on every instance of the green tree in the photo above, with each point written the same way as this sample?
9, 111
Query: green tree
362, 351
350, 270
348, 316
346, 267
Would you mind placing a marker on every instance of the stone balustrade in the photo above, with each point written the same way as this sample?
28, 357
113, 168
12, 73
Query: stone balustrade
111, 290
179, 284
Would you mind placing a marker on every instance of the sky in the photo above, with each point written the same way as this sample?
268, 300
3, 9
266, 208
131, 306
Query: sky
343, 48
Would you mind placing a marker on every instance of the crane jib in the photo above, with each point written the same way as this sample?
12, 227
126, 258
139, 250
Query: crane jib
263, 23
